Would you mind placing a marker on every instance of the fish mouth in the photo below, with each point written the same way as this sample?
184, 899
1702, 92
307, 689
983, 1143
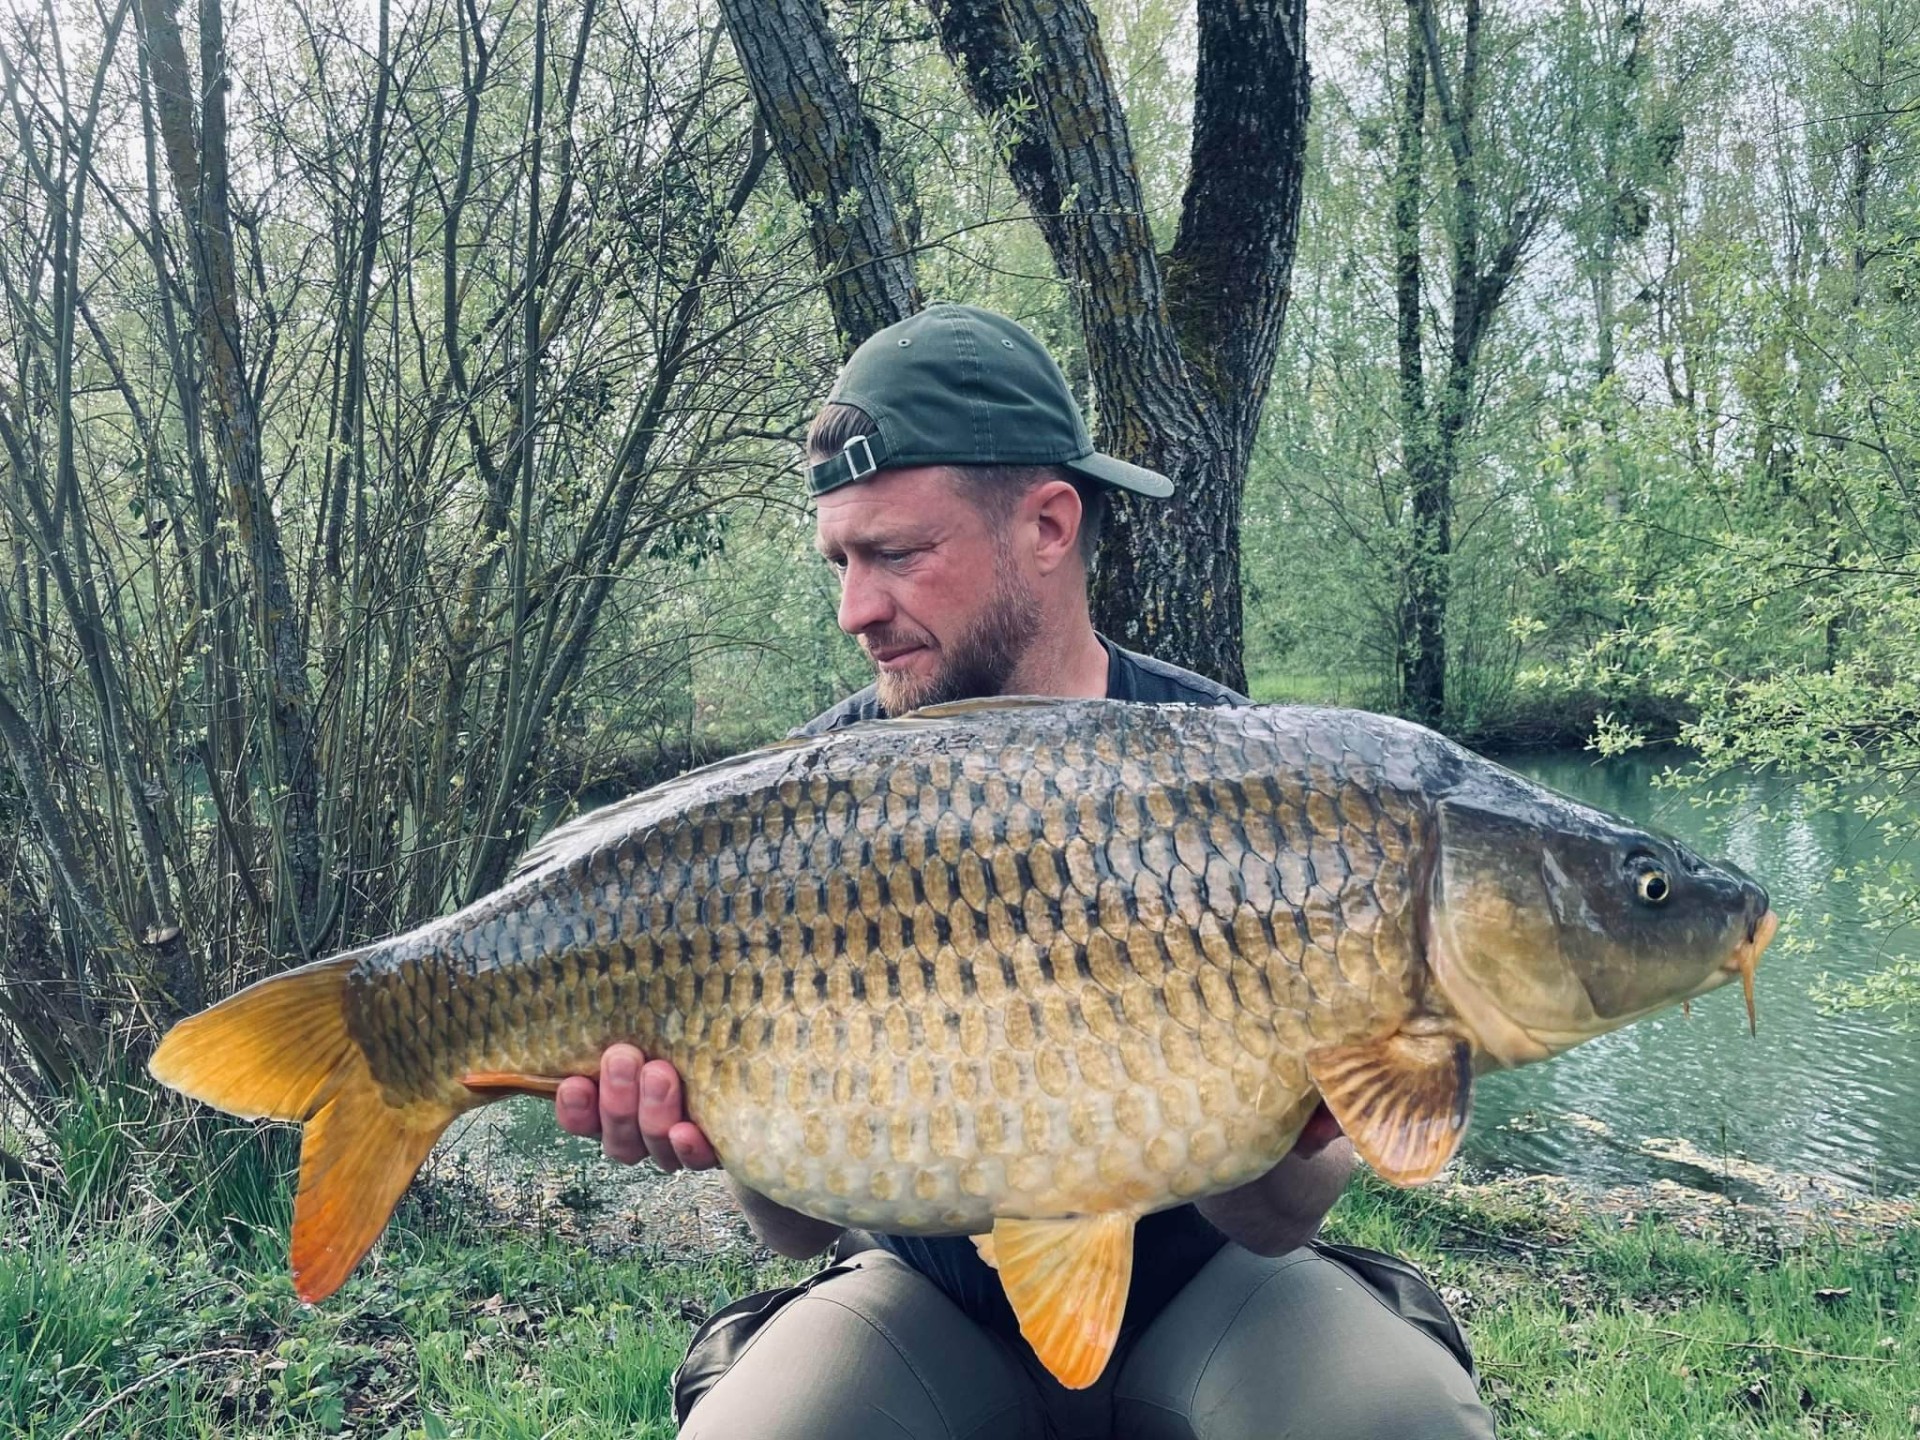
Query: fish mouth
1520, 1043
1746, 959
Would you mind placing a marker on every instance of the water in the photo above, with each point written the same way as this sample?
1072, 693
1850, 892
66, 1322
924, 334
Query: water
1820, 1094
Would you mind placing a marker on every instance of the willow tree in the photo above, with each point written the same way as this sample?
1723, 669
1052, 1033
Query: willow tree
1180, 343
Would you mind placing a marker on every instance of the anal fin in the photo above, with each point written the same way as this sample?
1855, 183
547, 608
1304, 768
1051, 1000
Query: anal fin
1067, 1281
1403, 1100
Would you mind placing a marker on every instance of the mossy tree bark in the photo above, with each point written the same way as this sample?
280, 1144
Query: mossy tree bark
830, 150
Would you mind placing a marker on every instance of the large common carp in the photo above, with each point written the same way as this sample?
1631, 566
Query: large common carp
1023, 970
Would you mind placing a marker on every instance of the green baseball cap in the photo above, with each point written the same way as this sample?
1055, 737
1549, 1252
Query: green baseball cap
958, 385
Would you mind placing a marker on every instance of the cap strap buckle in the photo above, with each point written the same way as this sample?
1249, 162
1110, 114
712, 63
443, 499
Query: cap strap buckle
855, 461
855, 470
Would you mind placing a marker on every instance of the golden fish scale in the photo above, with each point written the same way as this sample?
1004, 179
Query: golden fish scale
1026, 961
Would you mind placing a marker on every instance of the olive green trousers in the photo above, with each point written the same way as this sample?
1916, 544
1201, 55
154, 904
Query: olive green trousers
1299, 1345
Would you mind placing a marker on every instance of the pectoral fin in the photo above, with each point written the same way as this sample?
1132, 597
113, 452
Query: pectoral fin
1403, 1100
1067, 1282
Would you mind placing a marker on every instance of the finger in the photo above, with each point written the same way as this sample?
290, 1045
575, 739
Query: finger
620, 1105
576, 1105
661, 1108
690, 1143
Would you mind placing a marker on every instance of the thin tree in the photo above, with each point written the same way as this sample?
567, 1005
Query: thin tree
1483, 252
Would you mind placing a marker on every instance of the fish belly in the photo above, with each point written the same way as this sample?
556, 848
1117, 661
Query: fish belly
949, 1165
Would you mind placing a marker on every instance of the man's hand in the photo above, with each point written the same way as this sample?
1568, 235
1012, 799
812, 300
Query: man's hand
1282, 1210
637, 1110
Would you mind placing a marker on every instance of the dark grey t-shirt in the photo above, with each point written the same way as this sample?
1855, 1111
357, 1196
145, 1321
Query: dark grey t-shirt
1138, 678
1168, 1248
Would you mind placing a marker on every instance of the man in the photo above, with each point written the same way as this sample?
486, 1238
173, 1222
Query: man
958, 502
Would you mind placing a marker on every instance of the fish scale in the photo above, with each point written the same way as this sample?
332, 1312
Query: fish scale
895, 977
1022, 970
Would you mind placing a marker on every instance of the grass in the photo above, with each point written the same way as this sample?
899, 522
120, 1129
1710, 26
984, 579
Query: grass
160, 1321
1271, 685
120, 1328
1599, 1328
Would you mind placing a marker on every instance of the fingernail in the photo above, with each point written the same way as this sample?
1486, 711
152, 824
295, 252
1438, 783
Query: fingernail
573, 1104
655, 1087
620, 1069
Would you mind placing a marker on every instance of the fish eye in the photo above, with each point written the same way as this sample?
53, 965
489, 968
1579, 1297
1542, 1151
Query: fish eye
1653, 886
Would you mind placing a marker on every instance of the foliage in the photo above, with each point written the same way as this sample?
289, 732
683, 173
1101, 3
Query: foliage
1761, 565
1685, 507
382, 386
359, 485
521, 400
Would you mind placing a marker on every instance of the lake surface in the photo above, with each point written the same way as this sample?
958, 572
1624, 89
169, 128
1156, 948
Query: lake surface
1813, 1093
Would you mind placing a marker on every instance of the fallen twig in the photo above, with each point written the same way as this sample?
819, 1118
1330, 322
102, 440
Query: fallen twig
86, 1420
1770, 1345
1499, 1241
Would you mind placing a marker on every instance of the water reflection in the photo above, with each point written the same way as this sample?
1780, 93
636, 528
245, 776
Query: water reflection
1828, 1094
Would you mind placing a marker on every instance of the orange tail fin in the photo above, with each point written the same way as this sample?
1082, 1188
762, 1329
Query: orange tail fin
281, 1050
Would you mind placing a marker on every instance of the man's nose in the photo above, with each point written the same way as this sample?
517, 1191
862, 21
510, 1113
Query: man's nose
863, 603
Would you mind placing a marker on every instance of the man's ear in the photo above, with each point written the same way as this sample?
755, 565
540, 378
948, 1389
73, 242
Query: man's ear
1053, 509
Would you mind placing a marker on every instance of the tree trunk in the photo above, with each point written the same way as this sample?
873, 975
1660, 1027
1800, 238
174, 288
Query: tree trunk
1422, 636
1180, 351
830, 150
1433, 436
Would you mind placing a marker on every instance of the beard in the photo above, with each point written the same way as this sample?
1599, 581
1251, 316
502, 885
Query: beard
979, 663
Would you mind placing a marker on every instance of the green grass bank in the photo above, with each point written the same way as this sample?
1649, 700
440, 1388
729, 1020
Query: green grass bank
471, 1322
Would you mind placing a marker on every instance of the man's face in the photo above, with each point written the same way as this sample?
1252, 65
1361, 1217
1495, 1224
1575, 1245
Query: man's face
929, 586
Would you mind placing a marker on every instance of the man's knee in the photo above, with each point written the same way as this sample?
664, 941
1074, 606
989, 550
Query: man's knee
1413, 1394
1294, 1346
877, 1352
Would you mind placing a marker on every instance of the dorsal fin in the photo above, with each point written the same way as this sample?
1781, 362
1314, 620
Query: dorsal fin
584, 833
953, 709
